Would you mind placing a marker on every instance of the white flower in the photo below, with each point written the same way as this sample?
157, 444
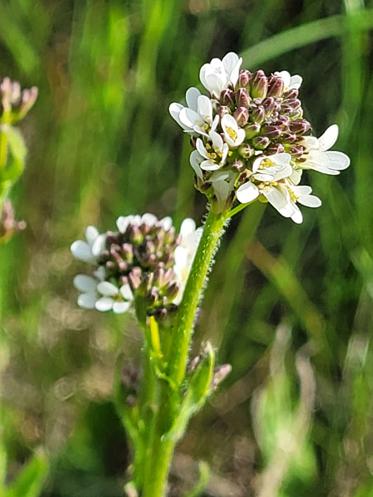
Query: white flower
195, 160
233, 134
290, 82
184, 254
197, 117
147, 218
118, 300
319, 158
89, 250
267, 172
219, 74
302, 195
216, 153
87, 285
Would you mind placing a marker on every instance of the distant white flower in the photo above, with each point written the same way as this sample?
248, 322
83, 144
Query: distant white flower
89, 250
184, 254
319, 158
233, 134
119, 300
290, 82
217, 75
124, 221
267, 172
197, 116
214, 153
87, 285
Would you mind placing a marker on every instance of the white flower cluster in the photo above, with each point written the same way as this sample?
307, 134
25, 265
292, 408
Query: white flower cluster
101, 291
250, 139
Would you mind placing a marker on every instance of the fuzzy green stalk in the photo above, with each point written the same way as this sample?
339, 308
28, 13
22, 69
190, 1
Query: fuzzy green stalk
163, 445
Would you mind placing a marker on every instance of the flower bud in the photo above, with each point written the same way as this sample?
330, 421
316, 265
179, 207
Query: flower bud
276, 87
246, 151
241, 115
261, 142
252, 130
257, 115
299, 127
259, 85
275, 148
242, 98
227, 97
238, 165
296, 151
223, 109
293, 93
244, 78
269, 105
272, 132
220, 373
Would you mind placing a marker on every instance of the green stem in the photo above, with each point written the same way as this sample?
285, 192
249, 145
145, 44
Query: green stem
155, 479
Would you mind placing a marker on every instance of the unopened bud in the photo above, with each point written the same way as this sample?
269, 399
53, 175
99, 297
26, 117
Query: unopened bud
257, 115
238, 165
246, 151
241, 115
223, 109
220, 373
252, 130
272, 132
275, 148
296, 151
270, 105
299, 127
261, 142
276, 87
259, 85
244, 78
242, 98
227, 97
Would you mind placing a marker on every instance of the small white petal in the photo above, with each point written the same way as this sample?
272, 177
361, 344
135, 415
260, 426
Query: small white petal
329, 137
82, 251
84, 283
104, 304
187, 227
338, 160
174, 109
122, 223
107, 289
126, 292
166, 223
100, 273
121, 307
98, 245
91, 234
87, 300
149, 219
210, 165
217, 141
191, 97
195, 161
295, 82
201, 148
309, 201
247, 193
297, 216
301, 190
205, 108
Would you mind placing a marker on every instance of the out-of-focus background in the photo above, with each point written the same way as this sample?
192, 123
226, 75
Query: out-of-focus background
290, 307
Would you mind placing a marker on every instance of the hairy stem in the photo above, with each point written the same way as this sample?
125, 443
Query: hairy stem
163, 445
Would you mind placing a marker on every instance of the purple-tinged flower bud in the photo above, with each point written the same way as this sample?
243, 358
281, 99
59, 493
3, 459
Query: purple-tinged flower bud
252, 130
296, 151
289, 137
238, 165
223, 109
242, 98
220, 373
227, 97
275, 87
261, 142
257, 115
246, 151
241, 115
299, 127
8, 223
272, 132
275, 148
289, 94
244, 78
259, 85
291, 104
269, 105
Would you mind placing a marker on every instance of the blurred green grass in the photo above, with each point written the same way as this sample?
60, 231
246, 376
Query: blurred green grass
102, 144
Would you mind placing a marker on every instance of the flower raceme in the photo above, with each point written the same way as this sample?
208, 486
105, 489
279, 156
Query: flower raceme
144, 262
251, 140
